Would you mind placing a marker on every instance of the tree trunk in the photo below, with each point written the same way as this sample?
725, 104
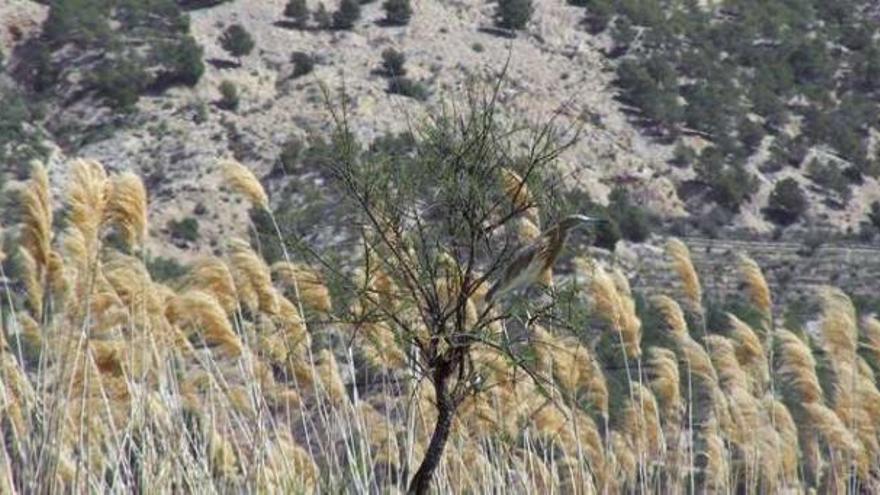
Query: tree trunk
445, 412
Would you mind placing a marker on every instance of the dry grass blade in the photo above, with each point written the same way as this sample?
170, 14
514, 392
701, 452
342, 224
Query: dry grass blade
127, 207
681, 259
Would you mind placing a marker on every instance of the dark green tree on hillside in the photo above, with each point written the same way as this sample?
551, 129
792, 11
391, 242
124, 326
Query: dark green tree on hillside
237, 41
514, 14
397, 12
347, 14
787, 203
298, 12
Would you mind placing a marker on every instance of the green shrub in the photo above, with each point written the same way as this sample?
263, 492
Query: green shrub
237, 41
631, 219
120, 82
291, 151
787, 203
162, 268
185, 230
229, 98
183, 62
397, 12
298, 12
683, 155
405, 86
303, 64
514, 14
393, 63
831, 177
347, 14
322, 17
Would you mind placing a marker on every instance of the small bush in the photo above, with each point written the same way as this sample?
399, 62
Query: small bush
162, 268
322, 17
874, 214
787, 203
631, 219
397, 12
348, 13
291, 151
303, 64
405, 86
392, 63
185, 230
514, 14
831, 177
683, 155
237, 41
120, 82
298, 12
229, 98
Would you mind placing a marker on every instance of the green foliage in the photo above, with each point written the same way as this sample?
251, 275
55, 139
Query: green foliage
347, 14
19, 142
514, 14
185, 230
787, 202
120, 82
397, 12
237, 41
322, 17
631, 219
730, 184
405, 86
303, 63
229, 98
298, 12
830, 177
392, 63
874, 214
291, 151
162, 269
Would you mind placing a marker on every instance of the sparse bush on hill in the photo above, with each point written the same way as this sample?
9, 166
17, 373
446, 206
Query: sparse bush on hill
303, 63
632, 220
514, 14
322, 17
397, 12
348, 13
298, 12
787, 202
229, 98
393, 63
237, 41
186, 229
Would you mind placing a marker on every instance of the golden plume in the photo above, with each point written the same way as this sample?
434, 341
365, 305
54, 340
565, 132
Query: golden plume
328, 371
673, 315
241, 180
87, 198
30, 273
759, 292
127, 207
253, 280
681, 259
36, 216
797, 367
665, 383
517, 191
211, 275
871, 337
832, 429
778, 415
750, 353
305, 281
617, 309
202, 315
839, 326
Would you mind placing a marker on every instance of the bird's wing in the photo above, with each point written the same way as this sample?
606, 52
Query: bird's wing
515, 270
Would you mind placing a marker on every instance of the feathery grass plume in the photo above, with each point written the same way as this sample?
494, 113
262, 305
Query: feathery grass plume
243, 181
871, 339
308, 282
756, 284
665, 383
382, 350
750, 354
202, 316
797, 367
222, 457
517, 191
681, 259
36, 215
87, 198
832, 429
253, 280
212, 275
30, 274
380, 433
778, 414
296, 464
629, 320
839, 326
618, 310
624, 463
714, 456
723, 356
641, 424
127, 207
672, 314
328, 371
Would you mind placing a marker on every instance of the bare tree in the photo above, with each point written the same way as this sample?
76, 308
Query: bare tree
438, 226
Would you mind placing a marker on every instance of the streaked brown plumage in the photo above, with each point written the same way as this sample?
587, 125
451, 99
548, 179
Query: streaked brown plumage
532, 261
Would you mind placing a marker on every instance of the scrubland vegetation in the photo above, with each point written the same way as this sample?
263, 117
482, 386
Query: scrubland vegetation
387, 371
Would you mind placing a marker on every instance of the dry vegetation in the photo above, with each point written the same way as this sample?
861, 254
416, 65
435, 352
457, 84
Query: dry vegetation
112, 381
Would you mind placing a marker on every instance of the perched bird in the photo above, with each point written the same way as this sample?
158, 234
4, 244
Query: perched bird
533, 262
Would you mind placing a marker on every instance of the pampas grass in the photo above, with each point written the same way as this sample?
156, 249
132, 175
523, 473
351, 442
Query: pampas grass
215, 382
241, 180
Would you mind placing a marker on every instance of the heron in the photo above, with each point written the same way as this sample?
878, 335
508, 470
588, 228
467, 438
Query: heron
531, 263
